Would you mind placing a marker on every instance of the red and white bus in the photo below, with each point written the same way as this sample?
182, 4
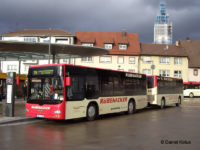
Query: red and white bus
191, 89
60, 91
164, 91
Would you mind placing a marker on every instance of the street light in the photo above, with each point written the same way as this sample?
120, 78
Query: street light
152, 66
49, 49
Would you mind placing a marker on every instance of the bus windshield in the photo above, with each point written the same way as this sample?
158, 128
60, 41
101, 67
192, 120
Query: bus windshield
46, 88
191, 86
45, 84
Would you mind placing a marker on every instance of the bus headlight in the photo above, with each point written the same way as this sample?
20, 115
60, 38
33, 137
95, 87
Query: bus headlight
57, 111
61, 98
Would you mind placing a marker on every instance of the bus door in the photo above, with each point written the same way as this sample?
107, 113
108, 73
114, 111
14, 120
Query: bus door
152, 88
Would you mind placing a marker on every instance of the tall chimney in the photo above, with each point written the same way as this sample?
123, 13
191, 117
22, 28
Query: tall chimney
124, 33
177, 43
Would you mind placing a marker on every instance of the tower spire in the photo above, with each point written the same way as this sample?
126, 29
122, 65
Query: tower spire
162, 26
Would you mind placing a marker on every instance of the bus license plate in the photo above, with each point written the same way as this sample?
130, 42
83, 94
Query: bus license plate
40, 116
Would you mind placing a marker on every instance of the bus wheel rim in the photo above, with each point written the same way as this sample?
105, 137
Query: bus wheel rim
191, 95
91, 111
162, 104
130, 107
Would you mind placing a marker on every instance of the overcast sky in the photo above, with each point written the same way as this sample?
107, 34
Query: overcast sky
137, 16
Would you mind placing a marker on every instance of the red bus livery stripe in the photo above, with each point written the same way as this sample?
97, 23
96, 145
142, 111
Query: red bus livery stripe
113, 100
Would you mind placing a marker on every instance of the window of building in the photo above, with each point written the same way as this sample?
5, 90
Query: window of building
131, 70
30, 61
108, 46
62, 41
195, 72
12, 68
165, 73
86, 59
68, 60
177, 61
46, 41
147, 71
123, 46
26, 67
105, 59
29, 39
177, 73
164, 60
146, 59
120, 60
88, 44
131, 60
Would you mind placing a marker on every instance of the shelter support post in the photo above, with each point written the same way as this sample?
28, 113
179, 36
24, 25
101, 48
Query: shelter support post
19, 72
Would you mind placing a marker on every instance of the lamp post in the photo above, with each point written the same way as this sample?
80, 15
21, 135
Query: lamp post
49, 49
152, 66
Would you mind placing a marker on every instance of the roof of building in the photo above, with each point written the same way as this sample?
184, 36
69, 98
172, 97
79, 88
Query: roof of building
192, 47
162, 50
114, 38
38, 32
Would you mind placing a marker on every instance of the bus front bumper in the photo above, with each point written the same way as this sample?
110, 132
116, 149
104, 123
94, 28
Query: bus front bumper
45, 111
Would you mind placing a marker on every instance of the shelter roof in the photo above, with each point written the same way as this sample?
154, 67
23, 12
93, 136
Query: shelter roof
26, 50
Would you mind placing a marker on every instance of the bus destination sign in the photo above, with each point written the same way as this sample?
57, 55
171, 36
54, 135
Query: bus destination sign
43, 72
131, 75
164, 78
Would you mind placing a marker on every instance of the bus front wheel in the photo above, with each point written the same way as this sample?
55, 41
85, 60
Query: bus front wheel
91, 112
131, 107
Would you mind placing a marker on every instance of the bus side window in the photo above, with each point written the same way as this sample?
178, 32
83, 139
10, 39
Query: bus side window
92, 86
76, 90
106, 84
118, 84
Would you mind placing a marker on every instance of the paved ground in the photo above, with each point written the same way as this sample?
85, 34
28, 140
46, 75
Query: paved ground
19, 115
173, 128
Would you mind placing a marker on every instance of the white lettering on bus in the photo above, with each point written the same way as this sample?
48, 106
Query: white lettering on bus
130, 75
165, 79
112, 100
39, 107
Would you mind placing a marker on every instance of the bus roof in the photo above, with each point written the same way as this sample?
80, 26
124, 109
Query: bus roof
46, 65
163, 77
195, 83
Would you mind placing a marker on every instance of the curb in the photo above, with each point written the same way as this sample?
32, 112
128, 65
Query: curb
16, 120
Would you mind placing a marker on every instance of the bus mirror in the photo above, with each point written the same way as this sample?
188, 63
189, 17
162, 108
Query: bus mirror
68, 81
17, 80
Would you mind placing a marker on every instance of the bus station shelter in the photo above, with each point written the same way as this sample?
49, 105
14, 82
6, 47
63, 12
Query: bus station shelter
26, 51
11, 50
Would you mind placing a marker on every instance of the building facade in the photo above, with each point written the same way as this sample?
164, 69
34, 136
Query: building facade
35, 36
125, 53
192, 47
162, 27
123, 47
164, 60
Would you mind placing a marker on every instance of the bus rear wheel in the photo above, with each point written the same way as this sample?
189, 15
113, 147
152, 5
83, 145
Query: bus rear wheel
91, 112
191, 95
179, 102
131, 107
162, 106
